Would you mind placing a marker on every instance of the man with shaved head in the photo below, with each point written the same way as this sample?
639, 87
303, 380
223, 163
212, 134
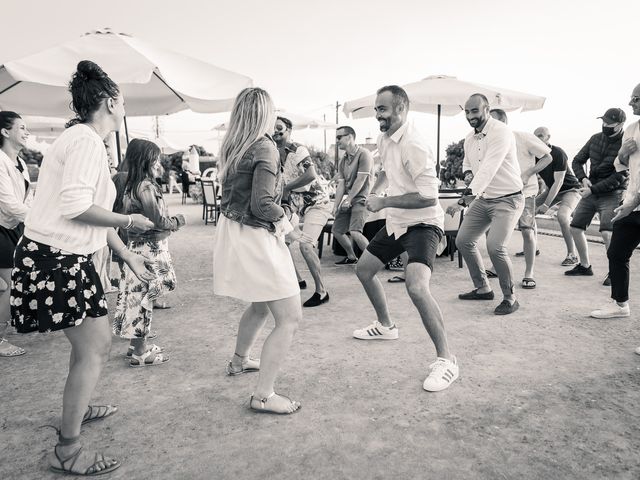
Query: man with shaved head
562, 190
626, 222
495, 201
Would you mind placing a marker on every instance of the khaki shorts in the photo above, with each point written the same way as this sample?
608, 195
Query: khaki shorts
528, 218
315, 218
351, 220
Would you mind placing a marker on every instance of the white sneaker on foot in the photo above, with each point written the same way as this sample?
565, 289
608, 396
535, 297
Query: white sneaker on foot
443, 373
612, 310
377, 331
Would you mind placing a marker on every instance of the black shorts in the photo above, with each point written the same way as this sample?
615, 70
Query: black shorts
420, 242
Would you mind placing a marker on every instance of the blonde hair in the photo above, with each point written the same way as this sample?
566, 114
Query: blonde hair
253, 116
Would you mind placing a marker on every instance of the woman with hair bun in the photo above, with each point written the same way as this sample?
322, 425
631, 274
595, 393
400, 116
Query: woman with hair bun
14, 188
54, 281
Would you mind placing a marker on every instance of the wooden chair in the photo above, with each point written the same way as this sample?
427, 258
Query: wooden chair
451, 224
210, 208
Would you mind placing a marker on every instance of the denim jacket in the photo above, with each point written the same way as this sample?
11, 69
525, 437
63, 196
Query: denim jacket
150, 203
251, 195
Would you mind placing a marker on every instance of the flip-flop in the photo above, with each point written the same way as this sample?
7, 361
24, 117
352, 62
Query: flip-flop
528, 282
396, 279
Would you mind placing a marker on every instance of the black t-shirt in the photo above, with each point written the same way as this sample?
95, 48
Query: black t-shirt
559, 163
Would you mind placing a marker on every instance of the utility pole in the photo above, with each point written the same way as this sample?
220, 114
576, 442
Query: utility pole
336, 141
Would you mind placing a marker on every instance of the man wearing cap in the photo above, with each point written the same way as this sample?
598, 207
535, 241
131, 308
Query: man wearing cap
626, 222
602, 189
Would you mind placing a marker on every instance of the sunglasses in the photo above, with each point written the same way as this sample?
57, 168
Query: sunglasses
338, 137
280, 128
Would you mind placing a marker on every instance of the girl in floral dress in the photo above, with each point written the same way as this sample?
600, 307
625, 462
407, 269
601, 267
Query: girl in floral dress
136, 299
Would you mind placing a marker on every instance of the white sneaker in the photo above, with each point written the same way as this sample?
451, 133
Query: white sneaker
376, 331
612, 310
443, 373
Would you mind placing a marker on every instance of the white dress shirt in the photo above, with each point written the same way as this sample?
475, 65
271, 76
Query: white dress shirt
633, 189
13, 191
492, 157
410, 168
74, 176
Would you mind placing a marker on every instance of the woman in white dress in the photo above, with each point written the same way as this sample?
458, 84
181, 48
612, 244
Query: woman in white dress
251, 261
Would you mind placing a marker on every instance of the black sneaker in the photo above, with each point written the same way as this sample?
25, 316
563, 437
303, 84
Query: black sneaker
580, 270
316, 300
347, 261
607, 281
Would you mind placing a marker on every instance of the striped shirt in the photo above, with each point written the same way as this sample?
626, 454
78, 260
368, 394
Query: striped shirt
73, 177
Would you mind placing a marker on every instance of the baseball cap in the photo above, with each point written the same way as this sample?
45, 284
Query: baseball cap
614, 115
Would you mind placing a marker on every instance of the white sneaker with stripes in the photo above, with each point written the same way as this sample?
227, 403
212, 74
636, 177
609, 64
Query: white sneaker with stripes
376, 331
443, 373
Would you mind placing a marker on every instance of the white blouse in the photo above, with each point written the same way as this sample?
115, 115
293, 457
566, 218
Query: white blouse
73, 177
13, 192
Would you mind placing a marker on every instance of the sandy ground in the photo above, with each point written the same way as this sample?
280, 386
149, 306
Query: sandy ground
546, 393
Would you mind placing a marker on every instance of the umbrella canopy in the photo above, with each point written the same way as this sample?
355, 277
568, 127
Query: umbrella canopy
153, 81
299, 122
449, 94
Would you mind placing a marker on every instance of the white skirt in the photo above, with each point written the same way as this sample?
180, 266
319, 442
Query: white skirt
251, 264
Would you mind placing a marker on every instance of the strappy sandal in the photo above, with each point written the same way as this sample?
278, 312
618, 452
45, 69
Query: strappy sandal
13, 351
142, 360
528, 282
263, 402
249, 365
91, 471
153, 348
98, 412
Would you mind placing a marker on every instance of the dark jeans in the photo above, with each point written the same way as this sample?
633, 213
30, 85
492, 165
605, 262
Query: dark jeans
625, 238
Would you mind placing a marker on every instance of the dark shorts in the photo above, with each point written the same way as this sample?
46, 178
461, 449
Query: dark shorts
603, 204
351, 220
420, 242
528, 218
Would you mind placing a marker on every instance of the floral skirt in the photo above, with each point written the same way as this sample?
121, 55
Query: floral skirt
52, 289
134, 308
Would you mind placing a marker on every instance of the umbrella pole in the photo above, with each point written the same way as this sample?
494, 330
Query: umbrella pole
438, 144
126, 130
118, 149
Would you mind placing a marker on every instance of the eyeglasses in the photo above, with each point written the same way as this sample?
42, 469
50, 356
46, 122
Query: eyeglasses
338, 137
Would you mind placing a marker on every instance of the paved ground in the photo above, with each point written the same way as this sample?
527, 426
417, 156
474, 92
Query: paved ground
547, 393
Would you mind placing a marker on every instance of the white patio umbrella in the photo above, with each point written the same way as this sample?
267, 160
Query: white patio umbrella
153, 81
446, 95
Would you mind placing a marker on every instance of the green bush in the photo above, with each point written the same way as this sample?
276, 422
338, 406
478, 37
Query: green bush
451, 170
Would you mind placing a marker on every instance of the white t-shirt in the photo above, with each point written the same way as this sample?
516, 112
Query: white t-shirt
529, 148
633, 189
73, 177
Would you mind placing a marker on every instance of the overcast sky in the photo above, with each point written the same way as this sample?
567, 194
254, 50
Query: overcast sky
581, 55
